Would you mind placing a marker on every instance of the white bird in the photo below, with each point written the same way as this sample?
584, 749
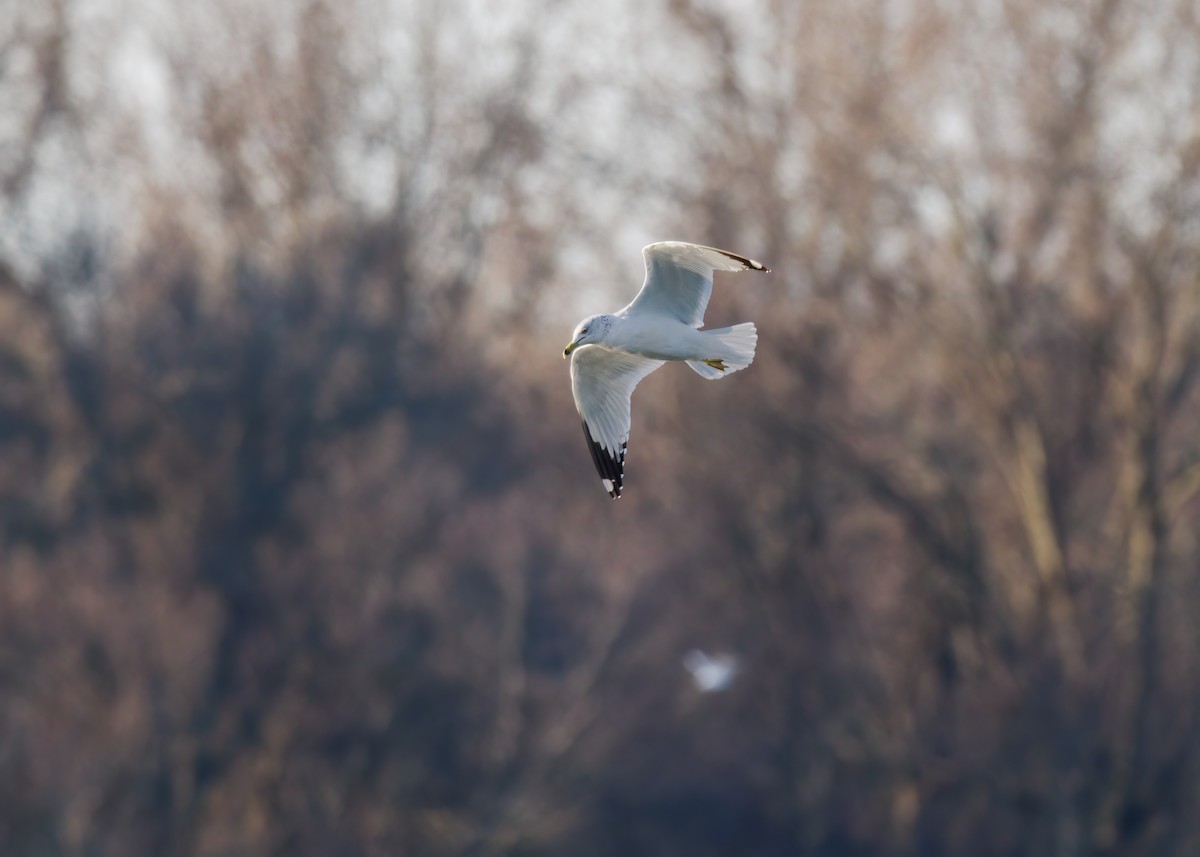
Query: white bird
612, 352
711, 672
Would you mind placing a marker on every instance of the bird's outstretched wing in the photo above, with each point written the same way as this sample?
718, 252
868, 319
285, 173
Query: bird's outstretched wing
679, 279
602, 381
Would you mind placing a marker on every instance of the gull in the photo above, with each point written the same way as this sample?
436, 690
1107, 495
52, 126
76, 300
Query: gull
610, 353
711, 672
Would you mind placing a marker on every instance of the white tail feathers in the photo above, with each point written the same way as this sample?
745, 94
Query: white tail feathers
732, 350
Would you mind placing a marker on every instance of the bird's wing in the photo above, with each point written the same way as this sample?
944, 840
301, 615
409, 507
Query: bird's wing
679, 279
602, 381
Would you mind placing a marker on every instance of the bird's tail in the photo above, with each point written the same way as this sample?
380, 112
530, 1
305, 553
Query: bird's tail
732, 350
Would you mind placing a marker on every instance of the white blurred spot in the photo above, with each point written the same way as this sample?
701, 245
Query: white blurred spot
711, 672
952, 128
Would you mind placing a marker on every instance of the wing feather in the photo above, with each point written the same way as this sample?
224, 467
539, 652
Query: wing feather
602, 381
679, 279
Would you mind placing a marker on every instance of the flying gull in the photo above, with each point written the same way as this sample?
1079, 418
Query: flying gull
610, 353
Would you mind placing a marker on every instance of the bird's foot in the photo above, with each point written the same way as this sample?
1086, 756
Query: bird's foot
719, 365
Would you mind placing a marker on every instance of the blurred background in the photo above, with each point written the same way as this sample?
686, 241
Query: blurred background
302, 551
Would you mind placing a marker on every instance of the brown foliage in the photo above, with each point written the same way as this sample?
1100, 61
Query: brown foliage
300, 548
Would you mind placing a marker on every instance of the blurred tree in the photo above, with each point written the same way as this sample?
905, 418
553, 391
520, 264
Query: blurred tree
298, 549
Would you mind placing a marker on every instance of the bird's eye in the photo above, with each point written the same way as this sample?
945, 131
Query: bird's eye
583, 332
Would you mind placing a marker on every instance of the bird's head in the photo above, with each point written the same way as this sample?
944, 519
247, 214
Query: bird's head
591, 331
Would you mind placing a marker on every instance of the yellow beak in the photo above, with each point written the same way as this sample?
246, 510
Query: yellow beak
571, 346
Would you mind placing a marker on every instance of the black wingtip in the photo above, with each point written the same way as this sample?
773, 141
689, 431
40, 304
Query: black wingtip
610, 467
750, 264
